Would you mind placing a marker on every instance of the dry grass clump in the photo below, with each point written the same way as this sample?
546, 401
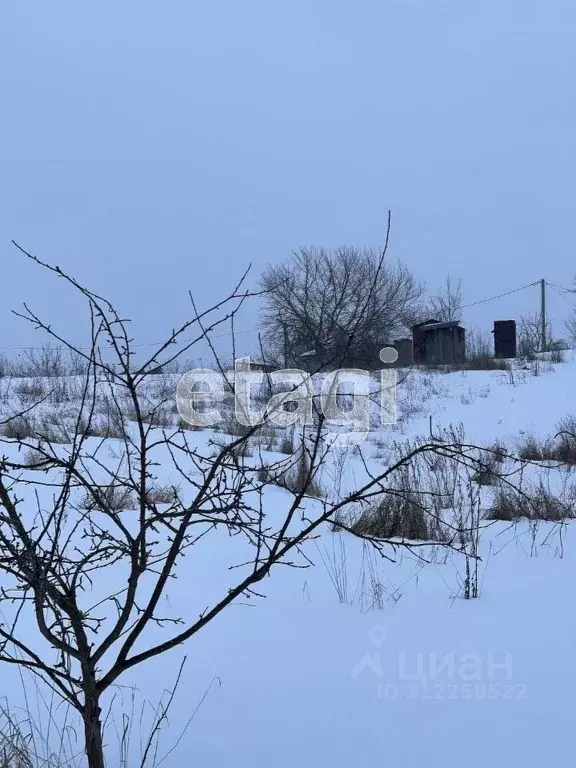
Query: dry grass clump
398, 515
489, 466
536, 503
412, 508
162, 494
481, 362
561, 448
296, 478
19, 427
113, 497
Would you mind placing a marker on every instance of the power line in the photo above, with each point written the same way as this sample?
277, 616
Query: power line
500, 295
561, 292
560, 288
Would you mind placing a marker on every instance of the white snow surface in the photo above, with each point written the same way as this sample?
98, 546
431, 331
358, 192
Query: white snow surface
298, 678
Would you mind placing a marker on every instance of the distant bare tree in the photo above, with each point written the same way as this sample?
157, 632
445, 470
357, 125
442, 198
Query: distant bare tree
570, 323
336, 307
530, 334
446, 305
479, 344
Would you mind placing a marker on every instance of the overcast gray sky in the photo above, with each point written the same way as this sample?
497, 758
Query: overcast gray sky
152, 147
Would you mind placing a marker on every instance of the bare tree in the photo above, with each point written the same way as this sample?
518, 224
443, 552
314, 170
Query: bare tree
530, 334
570, 323
325, 305
446, 305
73, 521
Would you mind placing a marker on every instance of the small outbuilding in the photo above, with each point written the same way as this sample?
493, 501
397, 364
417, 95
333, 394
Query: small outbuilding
438, 343
504, 339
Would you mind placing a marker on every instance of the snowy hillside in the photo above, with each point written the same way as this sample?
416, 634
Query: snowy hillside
425, 678
356, 657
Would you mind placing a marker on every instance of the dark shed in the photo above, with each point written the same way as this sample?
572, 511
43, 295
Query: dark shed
504, 338
439, 343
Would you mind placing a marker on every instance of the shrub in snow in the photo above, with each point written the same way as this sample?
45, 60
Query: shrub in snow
535, 503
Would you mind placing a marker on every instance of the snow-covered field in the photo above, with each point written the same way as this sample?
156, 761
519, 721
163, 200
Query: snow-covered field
390, 665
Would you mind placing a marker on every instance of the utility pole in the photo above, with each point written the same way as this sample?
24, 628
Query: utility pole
543, 314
